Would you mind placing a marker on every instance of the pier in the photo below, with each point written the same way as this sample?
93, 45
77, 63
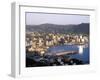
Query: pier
65, 53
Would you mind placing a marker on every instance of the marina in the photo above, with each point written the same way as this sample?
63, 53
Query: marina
61, 54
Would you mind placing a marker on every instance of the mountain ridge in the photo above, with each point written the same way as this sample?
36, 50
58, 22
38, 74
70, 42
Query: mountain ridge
56, 28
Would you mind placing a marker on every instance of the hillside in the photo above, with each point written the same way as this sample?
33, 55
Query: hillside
53, 28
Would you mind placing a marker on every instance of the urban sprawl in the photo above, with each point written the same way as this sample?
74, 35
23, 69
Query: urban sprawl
40, 42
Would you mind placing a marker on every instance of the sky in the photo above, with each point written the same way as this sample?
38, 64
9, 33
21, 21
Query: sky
60, 19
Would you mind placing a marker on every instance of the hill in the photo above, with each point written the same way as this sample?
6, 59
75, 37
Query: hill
54, 28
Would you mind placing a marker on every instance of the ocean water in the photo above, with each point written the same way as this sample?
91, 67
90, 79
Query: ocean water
83, 56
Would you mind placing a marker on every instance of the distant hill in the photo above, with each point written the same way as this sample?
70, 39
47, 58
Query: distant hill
53, 28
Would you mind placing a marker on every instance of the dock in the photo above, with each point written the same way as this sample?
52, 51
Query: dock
66, 53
